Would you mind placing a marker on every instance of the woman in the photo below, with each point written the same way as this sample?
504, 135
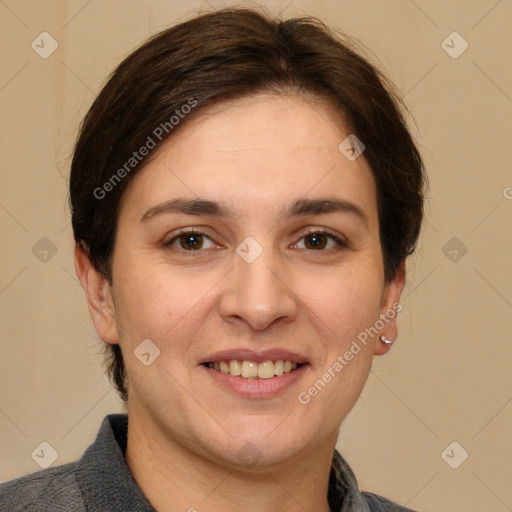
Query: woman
244, 194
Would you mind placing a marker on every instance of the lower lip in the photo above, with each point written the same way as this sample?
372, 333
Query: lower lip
257, 388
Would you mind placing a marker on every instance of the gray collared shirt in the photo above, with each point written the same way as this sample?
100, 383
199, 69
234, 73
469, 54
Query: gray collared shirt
100, 481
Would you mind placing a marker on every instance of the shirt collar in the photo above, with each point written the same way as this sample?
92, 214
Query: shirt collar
103, 476
343, 494
107, 484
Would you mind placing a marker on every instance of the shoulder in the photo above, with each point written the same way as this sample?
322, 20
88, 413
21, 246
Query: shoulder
52, 489
380, 504
344, 493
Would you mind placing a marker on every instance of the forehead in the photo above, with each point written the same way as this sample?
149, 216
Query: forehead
254, 154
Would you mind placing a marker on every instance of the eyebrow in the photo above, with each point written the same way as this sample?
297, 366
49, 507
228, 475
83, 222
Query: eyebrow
299, 208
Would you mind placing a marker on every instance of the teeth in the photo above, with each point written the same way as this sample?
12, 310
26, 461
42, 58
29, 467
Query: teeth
235, 368
254, 370
266, 370
249, 369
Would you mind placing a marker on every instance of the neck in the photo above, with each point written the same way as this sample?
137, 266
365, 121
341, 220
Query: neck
174, 478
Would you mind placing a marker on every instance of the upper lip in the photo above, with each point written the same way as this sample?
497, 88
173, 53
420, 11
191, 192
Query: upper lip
246, 354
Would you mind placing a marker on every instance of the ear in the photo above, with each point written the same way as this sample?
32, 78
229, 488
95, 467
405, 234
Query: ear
99, 296
389, 310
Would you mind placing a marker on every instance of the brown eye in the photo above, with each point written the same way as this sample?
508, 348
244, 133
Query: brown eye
190, 241
320, 241
316, 241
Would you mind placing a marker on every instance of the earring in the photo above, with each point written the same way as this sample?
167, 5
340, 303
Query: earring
385, 340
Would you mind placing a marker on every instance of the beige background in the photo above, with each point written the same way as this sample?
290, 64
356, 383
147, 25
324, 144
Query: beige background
447, 379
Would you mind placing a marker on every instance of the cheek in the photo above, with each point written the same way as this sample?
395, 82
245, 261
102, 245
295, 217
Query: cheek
346, 303
157, 301
161, 306
345, 306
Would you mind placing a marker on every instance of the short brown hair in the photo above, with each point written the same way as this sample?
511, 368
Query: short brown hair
229, 54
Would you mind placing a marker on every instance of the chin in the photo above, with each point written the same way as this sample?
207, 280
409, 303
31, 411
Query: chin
260, 443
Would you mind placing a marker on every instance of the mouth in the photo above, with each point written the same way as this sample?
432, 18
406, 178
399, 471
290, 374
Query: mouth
256, 374
247, 369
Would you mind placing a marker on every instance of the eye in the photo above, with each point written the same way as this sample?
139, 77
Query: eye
319, 240
190, 240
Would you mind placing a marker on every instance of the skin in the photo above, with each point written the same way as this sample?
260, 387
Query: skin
255, 155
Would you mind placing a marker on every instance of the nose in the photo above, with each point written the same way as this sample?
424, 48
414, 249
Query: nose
259, 293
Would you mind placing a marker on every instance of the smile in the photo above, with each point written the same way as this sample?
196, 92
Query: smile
253, 369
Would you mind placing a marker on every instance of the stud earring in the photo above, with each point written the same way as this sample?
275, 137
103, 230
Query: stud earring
385, 340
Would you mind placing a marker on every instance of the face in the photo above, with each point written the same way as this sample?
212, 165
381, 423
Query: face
250, 243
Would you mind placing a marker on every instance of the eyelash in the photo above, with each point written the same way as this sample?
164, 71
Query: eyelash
341, 243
